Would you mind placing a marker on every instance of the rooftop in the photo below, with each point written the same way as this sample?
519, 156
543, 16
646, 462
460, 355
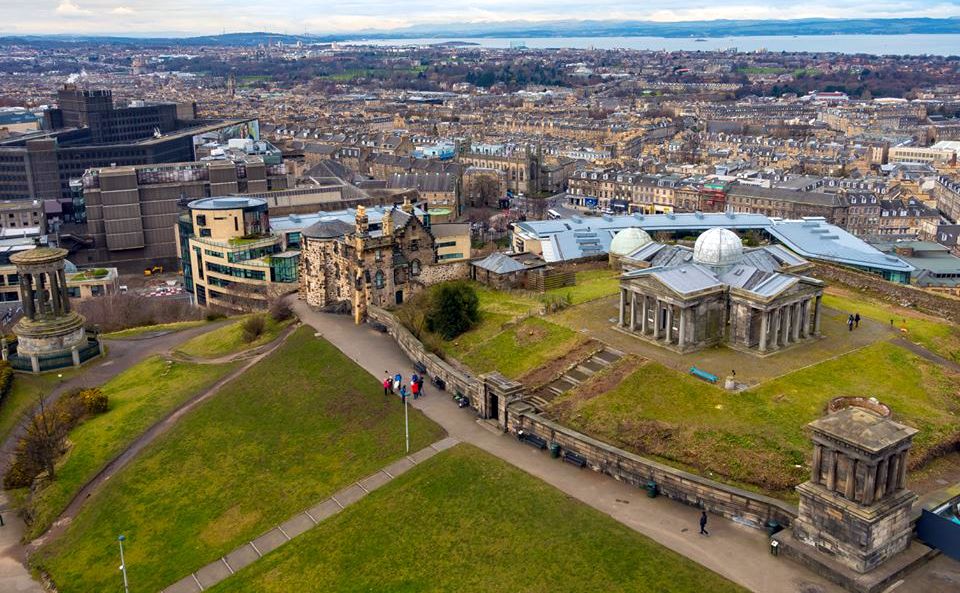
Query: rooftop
862, 428
226, 203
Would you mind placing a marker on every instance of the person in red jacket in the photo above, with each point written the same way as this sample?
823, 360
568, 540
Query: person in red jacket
415, 389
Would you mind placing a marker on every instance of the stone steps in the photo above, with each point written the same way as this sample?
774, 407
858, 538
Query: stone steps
576, 376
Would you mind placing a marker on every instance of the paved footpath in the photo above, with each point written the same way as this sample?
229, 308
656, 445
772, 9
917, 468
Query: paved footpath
737, 552
300, 523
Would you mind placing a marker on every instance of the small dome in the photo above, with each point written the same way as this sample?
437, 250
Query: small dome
629, 240
718, 247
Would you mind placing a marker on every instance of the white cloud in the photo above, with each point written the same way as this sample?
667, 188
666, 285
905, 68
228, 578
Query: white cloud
122, 10
70, 8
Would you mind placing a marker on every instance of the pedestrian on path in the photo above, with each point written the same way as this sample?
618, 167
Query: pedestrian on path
703, 523
850, 322
387, 386
414, 389
856, 320
397, 381
403, 391
420, 385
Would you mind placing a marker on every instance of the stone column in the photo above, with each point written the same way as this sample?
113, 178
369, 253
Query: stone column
869, 484
805, 314
881, 481
787, 318
902, 474
832, 471
633, 311
669, 323
26, 295
850, 487
56, 303
816, 316
623, 299
643, 320
682, 337
34, 363
815, 468
76, 356
893, 472
776, 328
764, 315
797, 316
656, 319
63, 286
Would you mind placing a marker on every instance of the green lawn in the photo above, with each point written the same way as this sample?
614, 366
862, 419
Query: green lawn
591, 285
23, 397
465, 521
301, 424
139, 398
229, 339
936, 335
521, 348
757, 437
135, 332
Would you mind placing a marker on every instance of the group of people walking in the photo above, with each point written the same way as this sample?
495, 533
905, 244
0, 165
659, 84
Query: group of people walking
853, 320
394, 384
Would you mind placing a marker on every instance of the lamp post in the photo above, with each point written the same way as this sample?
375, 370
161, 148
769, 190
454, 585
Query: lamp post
123, 565
406, 423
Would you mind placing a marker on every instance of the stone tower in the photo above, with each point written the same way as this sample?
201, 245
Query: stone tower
50, 334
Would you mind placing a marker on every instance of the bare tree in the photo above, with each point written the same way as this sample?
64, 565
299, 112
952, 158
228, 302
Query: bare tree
43, 442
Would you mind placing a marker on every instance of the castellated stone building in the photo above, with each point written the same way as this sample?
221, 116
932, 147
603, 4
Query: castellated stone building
383, 258
754, 300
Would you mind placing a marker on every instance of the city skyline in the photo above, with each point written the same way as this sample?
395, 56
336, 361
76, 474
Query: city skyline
180, 18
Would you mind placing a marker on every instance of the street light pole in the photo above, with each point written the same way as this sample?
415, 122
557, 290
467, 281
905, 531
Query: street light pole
406, 422
123, 566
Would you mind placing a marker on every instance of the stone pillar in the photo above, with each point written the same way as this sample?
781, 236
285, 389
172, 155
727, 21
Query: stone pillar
881, 481
893, 472
777, 322
63, 287
643, 320
34, 363
787, 314
805, 314
797, 317
669, 323
869, 484
815, 469
682, 337
902, 474
850, 487
27, 296
764, 315
55, 296
76, 356
633, 311
623, 304
656, 319
831, 471
816, 316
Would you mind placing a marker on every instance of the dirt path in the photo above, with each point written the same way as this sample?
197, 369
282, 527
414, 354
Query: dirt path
154, 432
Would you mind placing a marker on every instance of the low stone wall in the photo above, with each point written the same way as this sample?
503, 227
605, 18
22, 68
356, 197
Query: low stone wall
898, 294
456, 379
742, 506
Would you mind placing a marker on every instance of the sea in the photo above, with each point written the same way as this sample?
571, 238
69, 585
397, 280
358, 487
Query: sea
915, 45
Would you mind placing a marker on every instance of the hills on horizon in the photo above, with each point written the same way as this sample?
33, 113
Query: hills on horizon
565, 28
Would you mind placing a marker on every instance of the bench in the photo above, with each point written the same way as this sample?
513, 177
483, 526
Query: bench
439, 383
533, 440
575, 459
703, 375
420, 368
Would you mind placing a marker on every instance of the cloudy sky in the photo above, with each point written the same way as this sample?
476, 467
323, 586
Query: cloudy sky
141, 17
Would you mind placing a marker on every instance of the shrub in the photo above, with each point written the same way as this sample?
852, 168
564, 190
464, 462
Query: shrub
6, 379
94, 400
556, 302
121, 311
280, 310
455, 308
253, 327
215, 315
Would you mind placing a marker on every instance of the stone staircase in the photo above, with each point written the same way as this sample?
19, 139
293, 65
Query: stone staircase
575, 376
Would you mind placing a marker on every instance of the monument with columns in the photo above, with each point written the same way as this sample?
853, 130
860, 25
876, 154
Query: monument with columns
855, 524
50, 334
755, 300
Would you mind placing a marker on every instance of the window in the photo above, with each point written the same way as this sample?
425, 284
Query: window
378, 279
414, 244
415, 267
202, 219
378, 255
204, 232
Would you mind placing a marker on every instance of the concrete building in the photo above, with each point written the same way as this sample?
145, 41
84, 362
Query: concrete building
753, 300
230, 257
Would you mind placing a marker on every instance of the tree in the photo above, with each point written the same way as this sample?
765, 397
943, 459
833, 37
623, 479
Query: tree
455, 309
253, 327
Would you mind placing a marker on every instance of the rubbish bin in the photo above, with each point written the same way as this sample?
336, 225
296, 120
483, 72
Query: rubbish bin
554, 450
652, 489
774, 548
773, 527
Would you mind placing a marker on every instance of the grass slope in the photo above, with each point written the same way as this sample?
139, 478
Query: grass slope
426, 531
591, 285
758, 436
135, 332
23, 396
229, 339
139, 398
295, 428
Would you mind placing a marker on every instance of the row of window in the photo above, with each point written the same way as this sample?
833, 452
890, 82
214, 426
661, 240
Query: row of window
236, 272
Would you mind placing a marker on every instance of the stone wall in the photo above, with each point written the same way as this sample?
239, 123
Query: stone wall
437, 273
747, 508
898, 294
